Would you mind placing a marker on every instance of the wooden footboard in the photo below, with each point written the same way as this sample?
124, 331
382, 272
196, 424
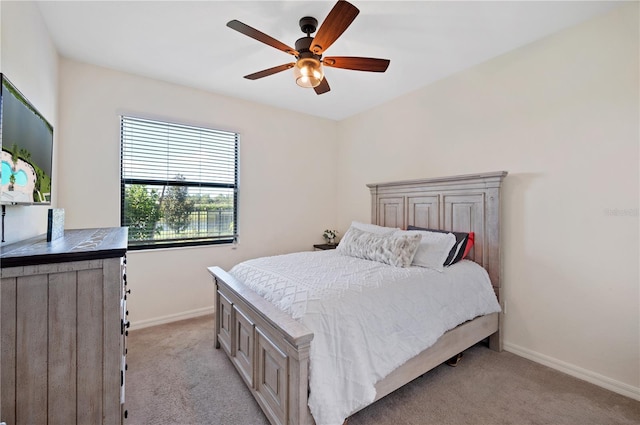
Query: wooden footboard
269, 349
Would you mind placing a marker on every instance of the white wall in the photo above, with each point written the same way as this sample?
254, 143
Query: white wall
562, 116
29, 59
287, 182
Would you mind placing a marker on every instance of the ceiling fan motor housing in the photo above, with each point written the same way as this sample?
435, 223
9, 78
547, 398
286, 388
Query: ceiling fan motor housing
308, 25
302, 46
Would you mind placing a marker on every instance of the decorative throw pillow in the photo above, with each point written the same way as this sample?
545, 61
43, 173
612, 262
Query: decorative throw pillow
470, 241
459, 250
390, 249
373, 228
433, 250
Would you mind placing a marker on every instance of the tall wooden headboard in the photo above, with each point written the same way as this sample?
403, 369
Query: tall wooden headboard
466, 203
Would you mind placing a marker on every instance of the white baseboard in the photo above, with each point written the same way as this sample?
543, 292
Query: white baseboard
172, 318
575, 371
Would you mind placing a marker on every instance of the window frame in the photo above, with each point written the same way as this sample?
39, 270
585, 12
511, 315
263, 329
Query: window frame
151, 183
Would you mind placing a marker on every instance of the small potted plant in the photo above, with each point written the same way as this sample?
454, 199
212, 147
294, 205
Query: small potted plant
330, 236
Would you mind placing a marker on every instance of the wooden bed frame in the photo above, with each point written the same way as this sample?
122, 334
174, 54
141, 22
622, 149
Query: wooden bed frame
270, 350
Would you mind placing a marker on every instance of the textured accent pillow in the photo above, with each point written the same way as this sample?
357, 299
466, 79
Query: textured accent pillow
390, 249
459, 250
373, 228
433, 250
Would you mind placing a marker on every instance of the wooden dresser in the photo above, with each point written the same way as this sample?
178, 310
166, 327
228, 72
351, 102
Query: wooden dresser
63, 327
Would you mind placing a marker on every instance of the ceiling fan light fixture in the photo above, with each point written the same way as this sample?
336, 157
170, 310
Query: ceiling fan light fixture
308, 72
308, 68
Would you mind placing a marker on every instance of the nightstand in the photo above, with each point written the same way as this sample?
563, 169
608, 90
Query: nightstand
324, 246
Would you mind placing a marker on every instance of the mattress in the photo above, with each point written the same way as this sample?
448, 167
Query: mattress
368, 318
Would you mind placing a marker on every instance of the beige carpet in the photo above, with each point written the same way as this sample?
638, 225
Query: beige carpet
176, 377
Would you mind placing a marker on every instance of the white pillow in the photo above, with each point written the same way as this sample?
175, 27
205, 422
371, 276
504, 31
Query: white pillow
433, 249
396, 250
374, 228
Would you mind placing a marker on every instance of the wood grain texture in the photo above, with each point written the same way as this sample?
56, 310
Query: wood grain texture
62, 318
272, 386
224, 312
244, 353
112, 341
90, 349
31, 349
391, 212
8, 349
423, 211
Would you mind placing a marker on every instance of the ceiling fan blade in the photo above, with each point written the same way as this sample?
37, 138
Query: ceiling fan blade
338, 20
358, 64
323, 87
270, 71
260, 36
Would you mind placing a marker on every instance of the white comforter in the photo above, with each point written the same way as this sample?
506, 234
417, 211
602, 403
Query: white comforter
368, 318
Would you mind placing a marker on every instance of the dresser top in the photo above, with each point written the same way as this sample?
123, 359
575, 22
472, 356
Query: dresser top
75, 245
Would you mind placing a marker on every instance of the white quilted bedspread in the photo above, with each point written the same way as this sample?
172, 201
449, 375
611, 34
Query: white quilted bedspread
368, 318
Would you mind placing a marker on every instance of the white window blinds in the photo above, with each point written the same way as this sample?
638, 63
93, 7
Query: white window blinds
179, 183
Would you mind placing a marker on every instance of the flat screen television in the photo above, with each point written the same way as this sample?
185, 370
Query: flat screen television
26, 138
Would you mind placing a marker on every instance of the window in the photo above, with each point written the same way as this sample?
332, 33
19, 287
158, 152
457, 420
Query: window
179, 184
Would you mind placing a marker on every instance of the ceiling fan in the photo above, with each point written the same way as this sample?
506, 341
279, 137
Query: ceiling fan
308, 68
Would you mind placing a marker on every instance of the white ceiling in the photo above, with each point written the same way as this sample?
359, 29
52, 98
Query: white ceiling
188, 43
